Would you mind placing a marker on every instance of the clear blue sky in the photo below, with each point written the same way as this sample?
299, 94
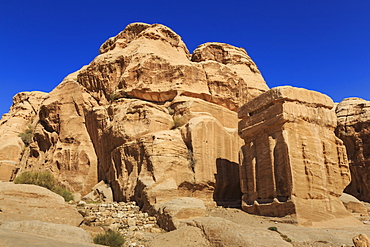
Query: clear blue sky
321, 45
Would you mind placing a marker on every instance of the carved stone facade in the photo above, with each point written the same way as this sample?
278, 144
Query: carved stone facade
292, 162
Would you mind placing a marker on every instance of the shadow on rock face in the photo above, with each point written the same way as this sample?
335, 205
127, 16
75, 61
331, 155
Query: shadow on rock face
227, 189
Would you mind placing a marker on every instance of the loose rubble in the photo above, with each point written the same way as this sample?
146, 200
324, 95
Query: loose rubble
124, 217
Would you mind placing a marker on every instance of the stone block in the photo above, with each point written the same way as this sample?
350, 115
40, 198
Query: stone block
292, 162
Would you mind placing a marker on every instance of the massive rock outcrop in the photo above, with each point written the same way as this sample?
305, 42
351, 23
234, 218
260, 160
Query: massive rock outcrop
21, 117
354, 129
146, 116
61, 141
151, 62
292, 162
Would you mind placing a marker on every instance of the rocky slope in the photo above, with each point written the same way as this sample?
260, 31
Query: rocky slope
146, 116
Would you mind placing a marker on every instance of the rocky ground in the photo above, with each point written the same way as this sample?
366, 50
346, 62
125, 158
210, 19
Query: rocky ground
33, 216
218, 228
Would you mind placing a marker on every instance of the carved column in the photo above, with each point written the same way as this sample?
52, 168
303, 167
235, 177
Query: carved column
292, 162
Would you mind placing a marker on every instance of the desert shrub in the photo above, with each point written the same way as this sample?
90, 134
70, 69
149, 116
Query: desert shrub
113, 97
109, 238
118, 95
285, 237
170, 111
27, 136
67, 195
288, 240
273, 228
44, 179
178, 121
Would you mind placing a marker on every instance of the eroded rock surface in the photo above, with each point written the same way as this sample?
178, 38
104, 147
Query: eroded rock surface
222, 232
145, 116
62, 143
353, 205
25, 202
34, 216
361, 240
171, 213
292, 162
151, 62
20, 118
354, 129
65, 233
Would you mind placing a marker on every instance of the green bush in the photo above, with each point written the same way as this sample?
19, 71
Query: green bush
27, 136
118, 95
44, 179
109, 238
285, 237
288, 240
178, 121
67, 195
113, 97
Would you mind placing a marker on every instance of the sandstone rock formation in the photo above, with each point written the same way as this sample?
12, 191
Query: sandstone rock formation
64, 233
222, 232
11, 238
25, 202
151, 62
159, 126
189, 235
21, 115
354, 129
353, 205
150, 119
62, 141
292, 163
171, 213
34, 216
101, 192
361, 241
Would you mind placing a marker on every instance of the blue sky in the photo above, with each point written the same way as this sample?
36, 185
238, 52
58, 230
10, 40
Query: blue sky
319, 45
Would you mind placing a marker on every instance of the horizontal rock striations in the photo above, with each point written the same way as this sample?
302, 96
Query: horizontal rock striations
26, 202
354, 129
146, 116
151, 62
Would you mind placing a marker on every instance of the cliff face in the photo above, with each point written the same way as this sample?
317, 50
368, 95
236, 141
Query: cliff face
354, 129
150, 62
146, 116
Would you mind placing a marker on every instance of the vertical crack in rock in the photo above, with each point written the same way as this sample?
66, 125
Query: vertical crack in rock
109, 120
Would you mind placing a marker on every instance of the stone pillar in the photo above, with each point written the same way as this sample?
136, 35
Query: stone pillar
292, 163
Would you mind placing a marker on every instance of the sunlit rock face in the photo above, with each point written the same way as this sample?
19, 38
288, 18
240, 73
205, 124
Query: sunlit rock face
18, 120
354, 129
292, 162
146, 116
151, 62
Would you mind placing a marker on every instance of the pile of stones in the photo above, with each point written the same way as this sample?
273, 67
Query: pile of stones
123, 217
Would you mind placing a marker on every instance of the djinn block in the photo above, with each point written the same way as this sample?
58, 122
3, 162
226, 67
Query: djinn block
292, 163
